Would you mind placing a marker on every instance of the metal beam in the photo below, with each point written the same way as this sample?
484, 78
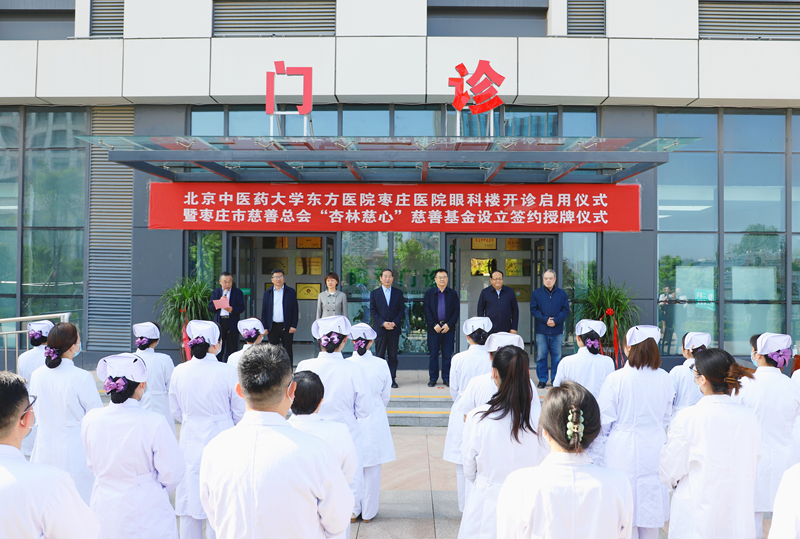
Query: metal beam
354, 170
626, 173
562, 170
151, 169
285, 169
218, 169
493, 170
425, 171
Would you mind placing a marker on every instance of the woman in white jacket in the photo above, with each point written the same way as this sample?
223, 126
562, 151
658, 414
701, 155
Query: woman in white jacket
159, 371
686, 391
134, 455
30, 361
499, 438
711, 455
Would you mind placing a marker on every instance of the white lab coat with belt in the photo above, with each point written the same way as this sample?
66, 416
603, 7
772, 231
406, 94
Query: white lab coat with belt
490, 454
786, 512
588, 369
466, 365
137, 463
565, 497
376, 437
776, 401
40, 501
234, 358
334, 434
686, 391
264, 478
710, 461
159, 373
635, 408
66, 394
202, 396
26, 364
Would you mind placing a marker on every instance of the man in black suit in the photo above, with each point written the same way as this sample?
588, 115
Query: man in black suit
227, 319
499, 303
279, 313
441, 314
387, 307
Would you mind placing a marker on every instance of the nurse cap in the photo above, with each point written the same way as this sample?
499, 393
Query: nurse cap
203, 328
42, 327
498, 340
696, 339
130, 366
147, 330
323, 326
364, 331
475, 323
586, 325
250, 324
639, 334
775, 346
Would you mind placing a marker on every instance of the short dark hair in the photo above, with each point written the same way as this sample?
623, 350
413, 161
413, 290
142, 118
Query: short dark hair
645, 354
308, 393
118, 397
496, 271
385, 270
13, 400
225, 274
440, 270
278, 270
559, 404
332, 275
263, 373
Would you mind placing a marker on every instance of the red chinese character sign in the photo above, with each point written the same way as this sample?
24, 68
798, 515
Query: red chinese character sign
308, 99
483, 85
380, 207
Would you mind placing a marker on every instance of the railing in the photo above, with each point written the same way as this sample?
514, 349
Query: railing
4, 335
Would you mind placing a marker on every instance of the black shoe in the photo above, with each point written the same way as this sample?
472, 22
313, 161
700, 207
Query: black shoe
394, 385
447, 383
542, 385
432, 383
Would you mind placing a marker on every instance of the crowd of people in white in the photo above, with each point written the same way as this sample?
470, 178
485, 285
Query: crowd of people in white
597, 458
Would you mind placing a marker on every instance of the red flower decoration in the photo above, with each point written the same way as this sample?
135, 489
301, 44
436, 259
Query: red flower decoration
184, 310
610, 312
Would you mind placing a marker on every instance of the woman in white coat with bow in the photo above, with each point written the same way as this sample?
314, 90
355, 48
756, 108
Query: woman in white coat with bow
376, 437
30, 361
635, 408
159, 371
66, 393
711, 455
252, 331
134, 455
687, 393
499, 438
202, 396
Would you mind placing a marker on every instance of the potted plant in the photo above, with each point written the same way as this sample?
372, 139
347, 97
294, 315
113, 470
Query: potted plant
186, 300
612, 303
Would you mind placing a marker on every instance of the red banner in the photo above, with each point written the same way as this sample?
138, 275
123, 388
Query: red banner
380, 207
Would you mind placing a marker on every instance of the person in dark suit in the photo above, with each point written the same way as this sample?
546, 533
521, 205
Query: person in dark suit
387, 308
499, 303
440, 304
279, 313
227, 319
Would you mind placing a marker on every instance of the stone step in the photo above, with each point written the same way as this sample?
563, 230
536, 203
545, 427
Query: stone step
418, 417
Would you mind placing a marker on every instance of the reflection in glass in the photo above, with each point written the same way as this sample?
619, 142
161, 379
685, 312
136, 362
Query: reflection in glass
755, 186
8, 309
324, 122
796, 324
205, 254
687, 192
579, 121
416, 257
8, 262
364, 255
9, 198
54, 187
754, 130
208, 121
531, 121
365, 121
418, 121
472, 125
689, 123
52, 262
795, 268
742, 320
578, 271
755, 267
796, 191
247, 121
54, 127
9, 128
35, 304
796, 131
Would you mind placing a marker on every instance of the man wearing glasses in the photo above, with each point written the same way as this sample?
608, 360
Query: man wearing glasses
36, 500
499, 304
279, 313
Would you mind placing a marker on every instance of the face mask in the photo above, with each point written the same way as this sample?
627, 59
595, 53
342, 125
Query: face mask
753, 358
78, 352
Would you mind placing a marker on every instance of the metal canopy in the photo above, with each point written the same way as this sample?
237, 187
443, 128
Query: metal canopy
390, 159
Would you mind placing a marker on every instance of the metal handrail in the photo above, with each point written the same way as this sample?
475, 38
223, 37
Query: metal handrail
63, 317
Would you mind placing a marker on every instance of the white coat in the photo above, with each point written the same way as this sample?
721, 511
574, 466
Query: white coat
466, 365
776, 401
137, 463
376, 437
159, 373
203, 398
565, 497
795, 433
635, 408
686, 391
40, 501
481, 389
334, 434
711, 455
490, 453
26, 364
264, 477
588, 369
234, 358
65, 394
786, 512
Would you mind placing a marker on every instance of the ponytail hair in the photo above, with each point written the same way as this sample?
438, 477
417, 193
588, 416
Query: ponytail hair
62, 337
479, 336
515, 394
119, 395
592, 341
721, 370
571, 416
331, 341
360, 345
693, 350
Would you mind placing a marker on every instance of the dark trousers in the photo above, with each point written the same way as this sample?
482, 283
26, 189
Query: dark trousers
230, 339
386, 347
444, 342
279, 334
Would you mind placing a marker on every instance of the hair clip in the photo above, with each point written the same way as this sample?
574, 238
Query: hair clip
52, 353
250, 333
575, 424
110, 385
34, 334
593, 343
359, 343
141, 341
198, 340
